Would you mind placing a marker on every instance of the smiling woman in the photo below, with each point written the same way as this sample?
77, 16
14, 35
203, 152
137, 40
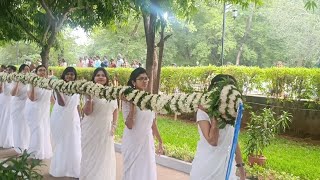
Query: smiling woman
97, 130
65, 131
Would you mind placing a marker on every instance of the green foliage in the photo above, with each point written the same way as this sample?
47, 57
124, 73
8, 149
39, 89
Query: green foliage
259, 172
41, 21
276, 33
127, 39
17, 52
262, 128
311, 4
21, 167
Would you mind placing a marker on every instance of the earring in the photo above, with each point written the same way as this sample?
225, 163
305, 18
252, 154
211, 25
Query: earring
134, 86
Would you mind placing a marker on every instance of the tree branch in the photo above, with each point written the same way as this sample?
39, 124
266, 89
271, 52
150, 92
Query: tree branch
45, 33
20, 23
135, 29
164, 39
167, 37
65, 16
48, 10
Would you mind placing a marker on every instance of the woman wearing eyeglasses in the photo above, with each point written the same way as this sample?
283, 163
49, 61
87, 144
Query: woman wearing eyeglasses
137, 143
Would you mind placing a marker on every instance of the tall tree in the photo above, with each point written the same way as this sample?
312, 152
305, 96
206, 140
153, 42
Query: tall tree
36, 20
41, 20
152, 12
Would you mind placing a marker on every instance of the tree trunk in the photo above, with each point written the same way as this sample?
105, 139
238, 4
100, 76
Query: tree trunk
149, 27
45, 55
156, 73
245, 36
156, 83
45, 51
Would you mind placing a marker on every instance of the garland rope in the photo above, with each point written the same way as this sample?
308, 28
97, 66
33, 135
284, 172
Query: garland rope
221, 102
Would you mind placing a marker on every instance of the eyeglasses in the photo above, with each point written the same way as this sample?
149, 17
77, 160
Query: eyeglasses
143, 79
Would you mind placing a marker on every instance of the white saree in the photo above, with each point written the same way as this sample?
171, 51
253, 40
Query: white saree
66, 137
21, 130
6, 131
37, 114
210, 162
138, 148
98, 160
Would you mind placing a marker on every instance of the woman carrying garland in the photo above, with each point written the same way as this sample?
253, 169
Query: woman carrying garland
6, 129
211, 159
65, 131
21, 134
137, 143
98, 126
37, 113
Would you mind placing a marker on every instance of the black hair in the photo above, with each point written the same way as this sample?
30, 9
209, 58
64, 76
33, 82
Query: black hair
13, 68
222, 77
95, 72
69, 69
21, 68
3, 66
134, 74
38, 67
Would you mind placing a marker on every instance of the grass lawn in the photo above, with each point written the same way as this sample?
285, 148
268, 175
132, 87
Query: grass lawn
284, 155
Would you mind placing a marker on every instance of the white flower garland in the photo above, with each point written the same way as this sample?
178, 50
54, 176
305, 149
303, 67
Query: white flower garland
222, 102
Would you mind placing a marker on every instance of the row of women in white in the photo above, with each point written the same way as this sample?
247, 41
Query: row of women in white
85, 148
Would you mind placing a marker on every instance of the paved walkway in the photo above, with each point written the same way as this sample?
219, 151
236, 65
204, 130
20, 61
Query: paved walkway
163, 172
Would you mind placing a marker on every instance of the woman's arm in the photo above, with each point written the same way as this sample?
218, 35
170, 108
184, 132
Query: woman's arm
210, 131
114, 122
15, 89
88, 106
32, 94
156, 133
240, 163
130, 118
60, 99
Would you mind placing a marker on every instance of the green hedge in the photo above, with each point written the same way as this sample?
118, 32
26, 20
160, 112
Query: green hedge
301, 83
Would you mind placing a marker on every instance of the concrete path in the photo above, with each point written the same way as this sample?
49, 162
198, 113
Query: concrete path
164, 173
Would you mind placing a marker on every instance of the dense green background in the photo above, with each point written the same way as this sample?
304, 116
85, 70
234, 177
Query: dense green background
281, 30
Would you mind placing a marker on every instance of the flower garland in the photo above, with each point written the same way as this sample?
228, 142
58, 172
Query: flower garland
222, 102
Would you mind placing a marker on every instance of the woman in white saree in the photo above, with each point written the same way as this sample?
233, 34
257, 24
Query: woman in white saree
37, 113
21, 135
214, 146
65, 131
6, 129
98, 160
137, 143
